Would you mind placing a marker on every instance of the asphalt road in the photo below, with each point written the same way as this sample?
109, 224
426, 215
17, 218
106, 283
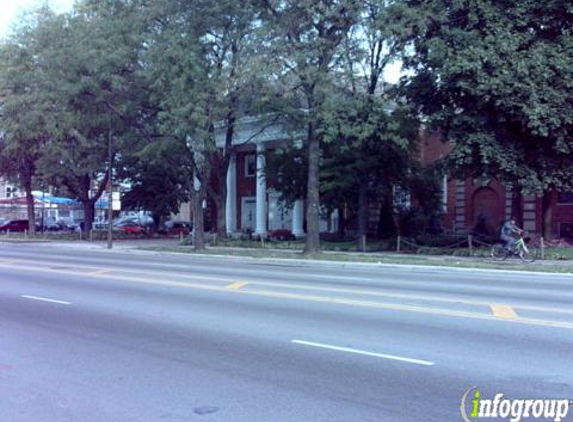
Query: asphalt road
95, 336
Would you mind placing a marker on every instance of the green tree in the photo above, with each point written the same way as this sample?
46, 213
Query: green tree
25, 115
91, 59
496, 78
158, 180
370, 149
205, 75
307, 38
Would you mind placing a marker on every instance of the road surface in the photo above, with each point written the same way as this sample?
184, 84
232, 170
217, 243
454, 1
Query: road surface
90, 335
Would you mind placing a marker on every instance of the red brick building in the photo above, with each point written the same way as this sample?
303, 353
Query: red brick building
253, 203
468, 201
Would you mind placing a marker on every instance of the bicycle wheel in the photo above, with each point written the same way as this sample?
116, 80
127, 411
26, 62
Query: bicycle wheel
498, 253
530, 255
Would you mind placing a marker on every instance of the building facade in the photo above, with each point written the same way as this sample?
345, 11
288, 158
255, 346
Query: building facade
486, 203
253, 203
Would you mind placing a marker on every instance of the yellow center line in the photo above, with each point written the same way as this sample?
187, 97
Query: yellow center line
299, 286
408, 308
503, 311
236, 286
100, 272
509, 312
406, 296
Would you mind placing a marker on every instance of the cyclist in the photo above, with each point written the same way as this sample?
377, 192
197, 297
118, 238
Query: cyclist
508, 232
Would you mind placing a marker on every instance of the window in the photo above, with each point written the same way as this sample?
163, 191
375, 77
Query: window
444, 192
566, 231
250, 165
401, 198
565, 198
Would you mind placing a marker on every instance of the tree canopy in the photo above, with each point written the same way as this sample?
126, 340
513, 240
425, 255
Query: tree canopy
496, 78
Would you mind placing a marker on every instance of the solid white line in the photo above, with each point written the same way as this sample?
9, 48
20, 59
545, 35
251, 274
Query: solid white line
45, 299
362, 352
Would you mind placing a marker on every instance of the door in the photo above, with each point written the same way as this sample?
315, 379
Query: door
487, 210
280, 217
248, 214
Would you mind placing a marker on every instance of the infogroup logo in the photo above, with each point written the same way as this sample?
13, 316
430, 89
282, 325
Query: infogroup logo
474, 408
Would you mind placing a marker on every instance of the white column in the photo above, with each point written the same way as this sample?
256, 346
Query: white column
231, 206
334, 221
297, 219
196, 187
261, 223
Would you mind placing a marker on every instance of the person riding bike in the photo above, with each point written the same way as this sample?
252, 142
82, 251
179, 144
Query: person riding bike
508, 232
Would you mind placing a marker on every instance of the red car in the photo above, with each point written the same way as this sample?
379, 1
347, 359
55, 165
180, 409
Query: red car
130, 228
15, 226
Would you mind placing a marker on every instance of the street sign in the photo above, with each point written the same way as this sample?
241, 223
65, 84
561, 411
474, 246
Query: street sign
115, 201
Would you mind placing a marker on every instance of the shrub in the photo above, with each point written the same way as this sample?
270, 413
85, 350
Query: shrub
281, 234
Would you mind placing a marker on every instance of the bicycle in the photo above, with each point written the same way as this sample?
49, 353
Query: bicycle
527, 253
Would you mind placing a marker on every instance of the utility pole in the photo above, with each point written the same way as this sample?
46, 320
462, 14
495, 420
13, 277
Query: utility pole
110, 184
43, 206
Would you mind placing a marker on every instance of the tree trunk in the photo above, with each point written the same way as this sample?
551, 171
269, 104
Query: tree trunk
386, 223
220, 199
156, 223
362, 211
517, 205
547, 215
89, 214
30, 207
198, 219
313, 195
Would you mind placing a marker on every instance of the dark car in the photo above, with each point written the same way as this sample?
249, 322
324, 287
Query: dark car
69, 226
49, 226
177, 228
14, 226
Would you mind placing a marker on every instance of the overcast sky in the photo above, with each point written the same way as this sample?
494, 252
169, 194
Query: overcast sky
10, 10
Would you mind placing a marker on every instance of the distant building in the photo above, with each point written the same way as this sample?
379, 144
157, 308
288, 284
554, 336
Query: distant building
8, 189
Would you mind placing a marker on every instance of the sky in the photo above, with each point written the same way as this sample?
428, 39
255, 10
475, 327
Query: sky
10, 10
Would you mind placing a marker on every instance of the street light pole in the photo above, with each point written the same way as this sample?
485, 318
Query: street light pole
110, 184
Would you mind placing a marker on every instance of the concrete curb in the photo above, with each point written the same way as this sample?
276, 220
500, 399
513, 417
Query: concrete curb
374, 265
311, 262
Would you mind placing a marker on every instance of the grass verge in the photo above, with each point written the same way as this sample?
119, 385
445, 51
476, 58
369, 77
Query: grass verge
379, 258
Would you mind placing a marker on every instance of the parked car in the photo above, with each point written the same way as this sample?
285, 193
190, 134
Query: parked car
14, 226
49, 226
176, 228
68, 225
129, 227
